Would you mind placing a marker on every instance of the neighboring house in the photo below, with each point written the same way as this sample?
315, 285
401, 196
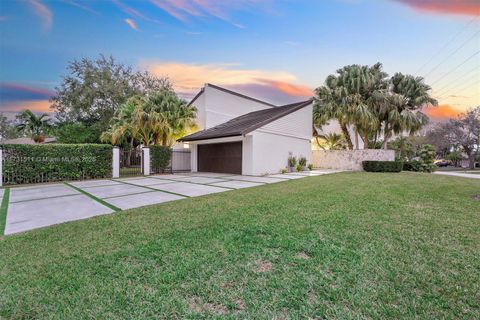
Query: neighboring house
243, 135
26, 140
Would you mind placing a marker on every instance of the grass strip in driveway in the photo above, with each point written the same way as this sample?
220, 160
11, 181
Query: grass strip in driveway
4, 209
176, 194
111, 206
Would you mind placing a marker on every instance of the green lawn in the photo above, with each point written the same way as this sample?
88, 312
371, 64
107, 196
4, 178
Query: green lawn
349, 245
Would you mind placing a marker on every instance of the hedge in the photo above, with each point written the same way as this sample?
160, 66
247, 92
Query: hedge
159, 158
382, 166
55, 162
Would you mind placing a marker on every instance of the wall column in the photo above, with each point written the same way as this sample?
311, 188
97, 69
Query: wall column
116, 163
1, 167
146, 161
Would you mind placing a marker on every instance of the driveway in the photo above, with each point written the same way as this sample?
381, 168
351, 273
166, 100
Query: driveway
44, 205
459, 174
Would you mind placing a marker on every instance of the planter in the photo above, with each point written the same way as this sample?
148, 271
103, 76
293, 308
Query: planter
304, 168
291, 169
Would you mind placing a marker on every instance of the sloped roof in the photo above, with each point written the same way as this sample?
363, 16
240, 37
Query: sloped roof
246, 123
230, 92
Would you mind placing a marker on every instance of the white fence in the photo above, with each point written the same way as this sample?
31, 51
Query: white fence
349, 159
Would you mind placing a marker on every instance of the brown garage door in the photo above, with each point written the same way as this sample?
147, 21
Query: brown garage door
220, 157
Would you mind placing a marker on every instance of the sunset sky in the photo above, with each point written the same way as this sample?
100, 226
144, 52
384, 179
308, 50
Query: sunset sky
274, 50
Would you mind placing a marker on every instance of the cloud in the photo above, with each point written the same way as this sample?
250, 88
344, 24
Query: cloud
13, 91
40, 106
183, 10
458, 7
133, 12
45, 14
131, 23
81, 6
274, 86
442, 112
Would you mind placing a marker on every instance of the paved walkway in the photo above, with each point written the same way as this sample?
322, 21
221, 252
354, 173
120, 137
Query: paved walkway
459, 174
44, 205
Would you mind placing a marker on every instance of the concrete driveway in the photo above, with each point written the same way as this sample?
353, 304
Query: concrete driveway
44, 205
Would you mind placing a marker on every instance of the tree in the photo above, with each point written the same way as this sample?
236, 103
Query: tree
331, 141
95, 89
32, 125
361, 97
160, 118
7, 129
460, 133
77, 133
401, 111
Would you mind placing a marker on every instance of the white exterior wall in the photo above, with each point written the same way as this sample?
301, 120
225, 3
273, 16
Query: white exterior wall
273, 142
215, 106
270, 152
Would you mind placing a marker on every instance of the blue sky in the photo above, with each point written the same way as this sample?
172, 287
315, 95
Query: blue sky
275, 50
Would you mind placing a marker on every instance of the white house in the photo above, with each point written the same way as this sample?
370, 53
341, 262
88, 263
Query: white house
243, 135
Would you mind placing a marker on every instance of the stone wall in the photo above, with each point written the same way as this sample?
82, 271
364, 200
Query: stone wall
349, 159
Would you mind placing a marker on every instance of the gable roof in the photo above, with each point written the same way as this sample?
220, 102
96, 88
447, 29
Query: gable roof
246, 123
230, 92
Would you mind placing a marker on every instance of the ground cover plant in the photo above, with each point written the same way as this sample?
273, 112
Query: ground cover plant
348, 245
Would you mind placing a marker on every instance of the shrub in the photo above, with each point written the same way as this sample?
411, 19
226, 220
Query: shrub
302, 161
159, 158
427, 156
55, 162
282, 171
310, 166
382, 166
299, 167
413, 165
292, 161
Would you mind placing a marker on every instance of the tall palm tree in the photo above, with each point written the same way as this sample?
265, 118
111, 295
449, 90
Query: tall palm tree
177, 117
32, 125
160, 118
403, 110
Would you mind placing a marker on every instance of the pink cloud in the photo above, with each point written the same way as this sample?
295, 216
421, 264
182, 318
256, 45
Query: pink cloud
132, 24
45, 14
458, 7
184, 9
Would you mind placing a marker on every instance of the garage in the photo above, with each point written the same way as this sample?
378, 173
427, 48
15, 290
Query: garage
220, 157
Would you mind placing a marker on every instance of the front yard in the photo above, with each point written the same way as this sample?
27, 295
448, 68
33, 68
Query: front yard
348, 245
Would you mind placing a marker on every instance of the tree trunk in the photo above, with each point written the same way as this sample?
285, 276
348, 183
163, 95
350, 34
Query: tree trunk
471, 160
346, 134
365, 140
386, 136
356, 137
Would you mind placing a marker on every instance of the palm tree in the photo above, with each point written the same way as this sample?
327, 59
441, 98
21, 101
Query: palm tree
175, 117
402, 111
32, 125
331, 141
349, 97
160, 118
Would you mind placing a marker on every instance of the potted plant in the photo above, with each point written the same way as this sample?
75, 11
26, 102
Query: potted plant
302, 161
292, 162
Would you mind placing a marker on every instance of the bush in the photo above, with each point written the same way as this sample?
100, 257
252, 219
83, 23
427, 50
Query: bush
159, 158
382, 166
427, 156
55, 162
413, 165
302, 161
292, 161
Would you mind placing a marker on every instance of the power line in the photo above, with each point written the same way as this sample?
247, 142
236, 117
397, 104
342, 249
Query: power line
446, 45
451, 54
446, 93
455, 68
456, 79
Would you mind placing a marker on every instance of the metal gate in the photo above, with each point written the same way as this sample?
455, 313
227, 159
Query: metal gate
180, 161
131, 163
